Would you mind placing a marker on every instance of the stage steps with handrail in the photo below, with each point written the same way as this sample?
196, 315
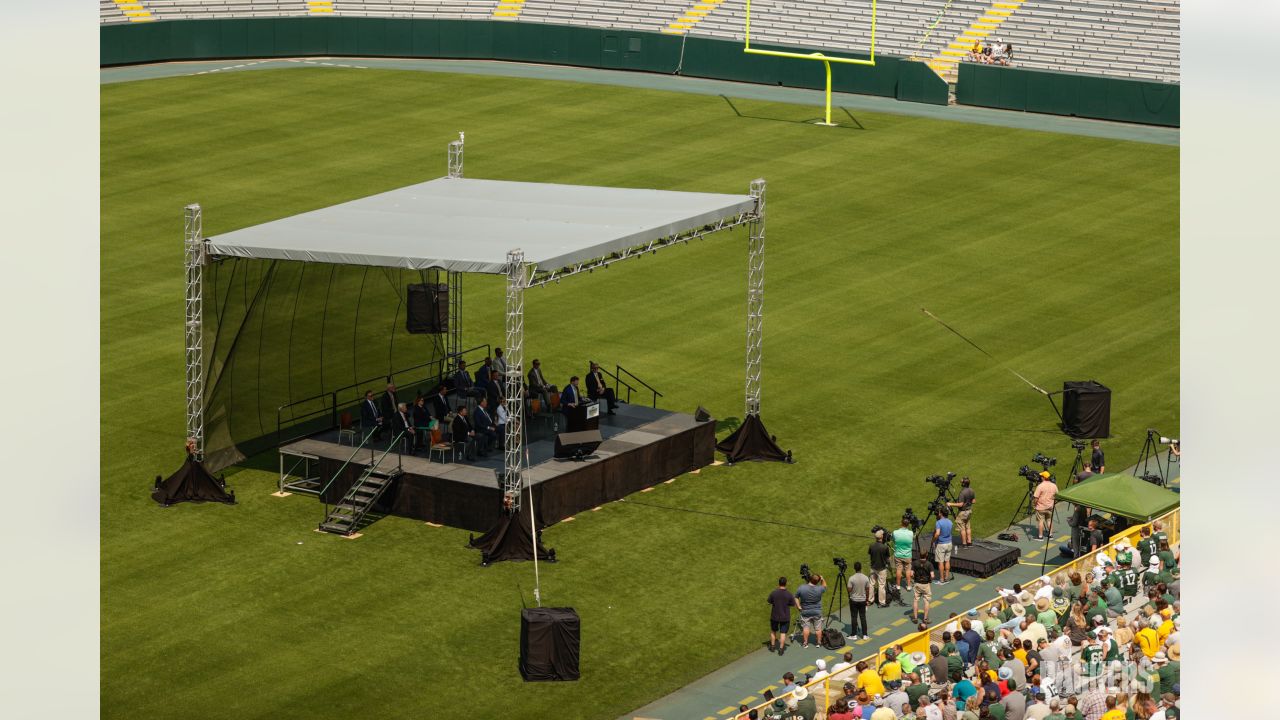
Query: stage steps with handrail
344, 518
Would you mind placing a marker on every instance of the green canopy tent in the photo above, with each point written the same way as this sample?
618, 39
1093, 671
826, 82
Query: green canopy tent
1122, 494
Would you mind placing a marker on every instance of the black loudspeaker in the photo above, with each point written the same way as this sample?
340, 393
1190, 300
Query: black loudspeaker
427, 309
549, 644
1086, 409
701, 415
577, 444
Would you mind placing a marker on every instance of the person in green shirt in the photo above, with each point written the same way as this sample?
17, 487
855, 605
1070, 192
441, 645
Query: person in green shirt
1045, 614
1166, 556
1055, 710
989, 650
903, 539
915, 689
1169, 672
1114, 598
1127, 579
1146, 545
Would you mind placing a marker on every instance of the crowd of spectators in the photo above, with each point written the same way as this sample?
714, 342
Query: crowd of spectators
1102, 643
997, 53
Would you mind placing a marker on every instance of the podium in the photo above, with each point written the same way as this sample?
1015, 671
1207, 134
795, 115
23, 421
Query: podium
584, 417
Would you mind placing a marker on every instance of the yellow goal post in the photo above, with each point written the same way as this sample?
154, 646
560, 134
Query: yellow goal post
826, 61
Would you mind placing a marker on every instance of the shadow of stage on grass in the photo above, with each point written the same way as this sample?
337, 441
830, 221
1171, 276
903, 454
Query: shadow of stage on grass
729, 423
855, 124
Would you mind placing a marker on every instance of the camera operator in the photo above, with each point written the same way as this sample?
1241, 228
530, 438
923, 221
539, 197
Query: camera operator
964, 503
879, 553
1097, 460
923, 594
942, 546
1045, 496
858, 597
810, 597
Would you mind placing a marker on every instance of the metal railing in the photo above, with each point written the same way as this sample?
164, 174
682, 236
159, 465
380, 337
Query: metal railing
332, 407
922, 639
374, 464
618, 379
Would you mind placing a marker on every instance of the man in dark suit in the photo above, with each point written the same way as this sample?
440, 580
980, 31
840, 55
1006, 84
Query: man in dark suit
485, 434
538, 386
483, 374
421, 422
439, 404
370, 417
462, 386
389, 406
494, 391
461, 434
403, 422
570, 398
596, 388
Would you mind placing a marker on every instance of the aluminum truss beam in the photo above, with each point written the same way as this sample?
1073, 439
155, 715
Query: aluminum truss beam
455, 156
453, 340
513, 453
755, 298
541, 277
195, 259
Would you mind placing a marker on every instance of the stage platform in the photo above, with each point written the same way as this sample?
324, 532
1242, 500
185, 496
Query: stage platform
642, 447
982, 559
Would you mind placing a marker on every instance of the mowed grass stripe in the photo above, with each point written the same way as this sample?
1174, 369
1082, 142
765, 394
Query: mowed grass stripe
1058, 254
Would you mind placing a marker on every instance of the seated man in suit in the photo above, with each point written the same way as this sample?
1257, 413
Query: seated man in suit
462, 385
596, 388
439, 404
370, 417
485, 433
462, 435
389, 405
403, 422
538, 386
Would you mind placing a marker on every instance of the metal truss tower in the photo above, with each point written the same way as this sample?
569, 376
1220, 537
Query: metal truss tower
755, 298
195, 258
513, 455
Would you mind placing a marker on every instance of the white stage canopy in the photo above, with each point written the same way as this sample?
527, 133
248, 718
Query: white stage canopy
464, 225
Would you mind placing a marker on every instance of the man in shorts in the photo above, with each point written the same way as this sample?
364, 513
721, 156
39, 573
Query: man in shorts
922, 571
1045, 496
809, 597
903, 540
781, 600
942, 546
964, 504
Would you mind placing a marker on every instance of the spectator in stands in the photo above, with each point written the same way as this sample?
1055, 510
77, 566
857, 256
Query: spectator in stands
780, 601
879, 555
839, 711
964, 503
845, 663
370, 416
882, 710
806, 705
1045, 497
788, 683
597, 389
975, 52
868, 680
463, 435
996, 55
1095, 538
1007, 57
1039, 709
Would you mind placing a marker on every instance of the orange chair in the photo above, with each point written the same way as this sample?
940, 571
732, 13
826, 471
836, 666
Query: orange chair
346, 428
438, 445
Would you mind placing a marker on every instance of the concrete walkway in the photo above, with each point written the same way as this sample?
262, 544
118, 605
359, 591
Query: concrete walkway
718, 695
674, 83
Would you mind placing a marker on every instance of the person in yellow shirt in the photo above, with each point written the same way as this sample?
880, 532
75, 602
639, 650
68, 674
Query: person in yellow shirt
1148, 639
1166, 626
869, 679
891, 670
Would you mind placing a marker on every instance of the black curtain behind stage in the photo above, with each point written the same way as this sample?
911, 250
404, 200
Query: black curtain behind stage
191, 483
751, 441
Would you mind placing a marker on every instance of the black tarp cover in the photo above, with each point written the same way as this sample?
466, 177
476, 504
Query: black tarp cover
751, 441
511, 539
1086, 409
191, 483
549, 648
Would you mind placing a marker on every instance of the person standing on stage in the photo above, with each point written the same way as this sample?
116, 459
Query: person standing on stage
370, 416
570, 397
499, 363
439, 404
964, 505
859, 584
538, 386
389, 407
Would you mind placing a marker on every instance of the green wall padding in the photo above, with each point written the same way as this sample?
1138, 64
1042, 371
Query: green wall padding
1091, 96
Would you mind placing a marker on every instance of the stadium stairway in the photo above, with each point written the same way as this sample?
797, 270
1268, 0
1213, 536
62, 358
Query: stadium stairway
319, 7
947, 62
508, 9
344, 518
691, 17
134, 10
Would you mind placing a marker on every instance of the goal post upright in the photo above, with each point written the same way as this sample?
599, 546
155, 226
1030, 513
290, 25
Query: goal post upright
826, 60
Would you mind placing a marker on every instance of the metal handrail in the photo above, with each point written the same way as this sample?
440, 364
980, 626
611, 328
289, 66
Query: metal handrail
616, 381
356, 450
373, 465
333, 405
632, 375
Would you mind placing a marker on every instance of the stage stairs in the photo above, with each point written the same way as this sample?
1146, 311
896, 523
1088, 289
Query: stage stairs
344, 518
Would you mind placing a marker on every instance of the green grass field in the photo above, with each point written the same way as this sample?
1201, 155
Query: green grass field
1058, 254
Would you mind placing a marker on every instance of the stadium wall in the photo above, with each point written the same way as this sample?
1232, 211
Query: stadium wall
1058, 93
610, 48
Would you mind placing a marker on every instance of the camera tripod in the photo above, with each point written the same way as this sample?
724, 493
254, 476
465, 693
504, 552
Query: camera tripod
1150, 452
835, 604
1027, 505
1076, 465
